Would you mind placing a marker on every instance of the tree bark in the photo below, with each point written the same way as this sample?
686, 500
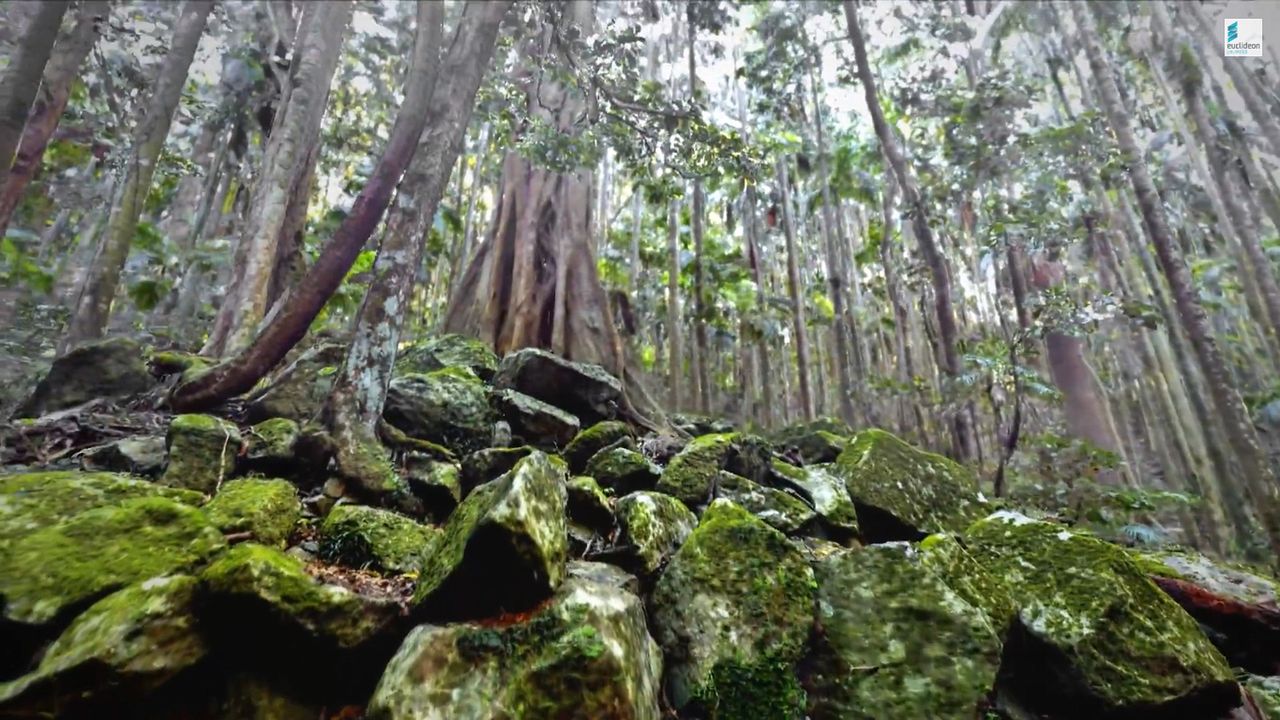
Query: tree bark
796, 292
286, 166
70, 51
1256, 476
933, 257
292, 316
89, 319
702, 357
21, 79
675, 341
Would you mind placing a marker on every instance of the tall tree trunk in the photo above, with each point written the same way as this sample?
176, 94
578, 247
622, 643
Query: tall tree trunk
675, 344
473, 195
701, 355
70, 51
796, 292
293, 315
285, 170
89, 319
21, 78
933, 257
1240, 78
1256, 476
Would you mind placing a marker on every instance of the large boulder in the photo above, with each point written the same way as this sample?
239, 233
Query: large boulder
588, 506
534, 422
364, 537
258, 596
592, 440
825, 492
587, 391
51, 571
436, 483
690, 474
651, 528
300, 390
266, 509
904, 493
202, 452
113, 369
733, 612
781, 510
896, 642
623, 471
447, 351
449, 406
272, 447
121, 649
503, 549
586, 655
820, 441
488, 464
1092, 633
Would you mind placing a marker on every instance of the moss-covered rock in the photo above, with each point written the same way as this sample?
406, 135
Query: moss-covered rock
123, 647
1092, 632
651, 527
48, 572
604, 574
504, 548
488, 464
690, 473
825, 492
436, 483
820, 441
585, 391
947, 557
623, 471
202, 452
359, 536
111, 369
592, 440
141, 455
448, 406
904, 493
255, 594
588, 505
534, 422
779, 509
1266, 693
272, 447
267, 509
695, 424
733, 611
897, 642
586, 655
38, 500
447, 351
300, 390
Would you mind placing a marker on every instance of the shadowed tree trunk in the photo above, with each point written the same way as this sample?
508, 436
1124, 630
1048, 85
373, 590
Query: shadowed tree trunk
21, 79
284, 175
1256, 476
796, 291
293, 315
360, 389
89, 318
71, 49
933, 257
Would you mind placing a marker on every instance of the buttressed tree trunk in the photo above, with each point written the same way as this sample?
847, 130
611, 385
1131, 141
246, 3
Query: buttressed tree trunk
533, 282
360, 390
933, 256
89, 318
70, 50
1256, 476
21, 78
284, 172
293, 315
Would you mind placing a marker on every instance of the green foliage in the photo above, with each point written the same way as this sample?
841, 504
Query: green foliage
18, 268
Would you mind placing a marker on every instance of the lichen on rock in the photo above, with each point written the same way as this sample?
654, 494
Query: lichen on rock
588, 505
449, 350
690, 474
782, 511
359, 536
448, 406
267, 509
584, 390
733, 612
113, 369
592, 440
825, 492
623, 471
533, 421
202, 452
651, 527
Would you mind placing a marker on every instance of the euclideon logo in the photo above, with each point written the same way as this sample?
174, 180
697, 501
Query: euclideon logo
1242, 37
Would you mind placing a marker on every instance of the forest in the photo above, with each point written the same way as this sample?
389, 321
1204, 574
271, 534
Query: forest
722, 359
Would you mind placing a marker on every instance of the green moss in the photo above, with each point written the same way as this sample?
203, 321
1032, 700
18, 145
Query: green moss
188, 366
948, 558
269, 509
592, 440
826, 491
759, 689
920, 489
202, 452
655, 526
1266, 692
689, 474
448, 406
780, 510
272, 440
447, 350
587, 503
277, 586
47, 572
623, 471
360, 536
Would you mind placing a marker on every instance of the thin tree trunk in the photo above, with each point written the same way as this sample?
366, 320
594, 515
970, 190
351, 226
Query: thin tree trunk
70, 51
701, 355
796, 292
1240, 78
285, 167
1257, 477
90, 316
675, 350
933, 257
21, 79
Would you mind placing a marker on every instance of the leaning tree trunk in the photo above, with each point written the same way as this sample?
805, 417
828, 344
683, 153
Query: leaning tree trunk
933, 257
1257, 478
21, 79
286, 167
89, 318
533, 282
360, 389
71, 49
